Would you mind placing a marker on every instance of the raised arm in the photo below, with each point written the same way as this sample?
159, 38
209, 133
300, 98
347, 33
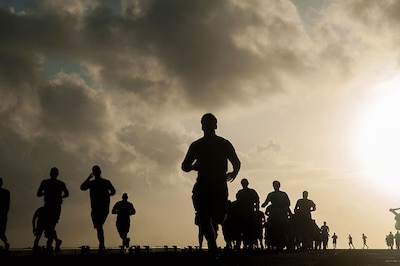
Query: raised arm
85, 184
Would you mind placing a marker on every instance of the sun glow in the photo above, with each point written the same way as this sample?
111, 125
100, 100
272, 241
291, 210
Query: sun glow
377, 138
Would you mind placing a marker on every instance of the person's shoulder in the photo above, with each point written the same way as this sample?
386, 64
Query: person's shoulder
224, 140
197, 141
60, 181
4, 190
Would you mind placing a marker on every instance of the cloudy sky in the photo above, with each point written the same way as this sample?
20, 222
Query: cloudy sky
307, 91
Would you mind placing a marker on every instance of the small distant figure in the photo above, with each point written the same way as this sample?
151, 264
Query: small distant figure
209, 156
39, 226
334, 240
54, 191
101, 190
4, 208
397, 239
351, 242
325, 235
364, 238
124, 210
390, 240
396, 217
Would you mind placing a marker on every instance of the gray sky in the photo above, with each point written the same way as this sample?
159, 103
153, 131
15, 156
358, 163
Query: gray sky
305, 90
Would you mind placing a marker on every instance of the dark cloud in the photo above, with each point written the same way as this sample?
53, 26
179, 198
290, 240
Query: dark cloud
70, 106
192, 42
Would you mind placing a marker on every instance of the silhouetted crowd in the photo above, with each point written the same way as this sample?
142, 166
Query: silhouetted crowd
243, 224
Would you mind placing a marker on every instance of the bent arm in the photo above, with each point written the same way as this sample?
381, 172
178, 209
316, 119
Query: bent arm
65, 192
313, 207
265, 203
111, 190
189, 163
40, 191
85, 185
236, 164
114, 209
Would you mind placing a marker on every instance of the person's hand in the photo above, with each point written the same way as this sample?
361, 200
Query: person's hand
195, 166
230, 176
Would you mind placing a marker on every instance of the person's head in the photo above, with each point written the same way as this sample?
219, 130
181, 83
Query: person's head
276, 184
125, 196
1, 181
305, 194
208, 123
96, 171
244, 182
54, 172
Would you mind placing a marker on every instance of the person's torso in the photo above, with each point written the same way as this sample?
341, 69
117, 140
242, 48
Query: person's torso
124, 209
212, 156
279, 200
304, 205
247, 198
99, 191
53, 189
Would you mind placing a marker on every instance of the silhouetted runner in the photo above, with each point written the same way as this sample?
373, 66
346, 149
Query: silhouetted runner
364, 238
4, 208
248, 203
123, 209
54, 191
302, 213
325, 235
390, 240
397, 239
350, 242
39, 226
209, 156
101, 190
278, 212
334, 240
